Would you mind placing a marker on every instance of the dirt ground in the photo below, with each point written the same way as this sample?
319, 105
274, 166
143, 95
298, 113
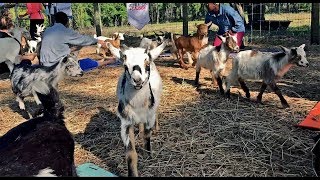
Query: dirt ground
202, 133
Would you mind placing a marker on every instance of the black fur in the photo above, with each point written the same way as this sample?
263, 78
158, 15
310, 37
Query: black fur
152, 101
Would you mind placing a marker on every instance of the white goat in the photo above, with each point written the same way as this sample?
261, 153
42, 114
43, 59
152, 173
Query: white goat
139, 90
40, 29
268, 67
215, 60
23, 76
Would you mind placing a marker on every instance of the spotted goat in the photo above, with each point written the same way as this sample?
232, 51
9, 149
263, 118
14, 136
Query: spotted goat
214, 59
139, 90
266, 66
24, 75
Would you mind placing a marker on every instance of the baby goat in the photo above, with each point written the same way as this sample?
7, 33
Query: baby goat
139, 90
215, 60
23, 76
42, 146
268, 67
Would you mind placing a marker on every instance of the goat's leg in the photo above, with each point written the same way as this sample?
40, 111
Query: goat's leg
214, 79
262, 89
244, 87
157, 128
36, 98
195, 58
127, 133
147, 138
181, 62
219, 80
198, 70
190, 60
141, 130
276, 89
21, 103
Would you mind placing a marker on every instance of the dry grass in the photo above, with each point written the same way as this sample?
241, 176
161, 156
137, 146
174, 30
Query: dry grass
202, 134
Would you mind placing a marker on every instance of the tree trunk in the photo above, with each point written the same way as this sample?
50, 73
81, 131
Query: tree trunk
158, 14
315, 32
97, 18
185, 19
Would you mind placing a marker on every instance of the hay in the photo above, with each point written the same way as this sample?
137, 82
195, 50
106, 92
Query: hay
201, 133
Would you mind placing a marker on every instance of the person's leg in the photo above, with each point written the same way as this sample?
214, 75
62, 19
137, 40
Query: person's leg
33, 28
240, 36
217, 41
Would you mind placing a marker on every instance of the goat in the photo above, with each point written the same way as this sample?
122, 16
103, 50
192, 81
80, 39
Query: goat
268, 67
42, 146
40, 29
215, 60
24, 75
11, 47
192, 44
139, 91
316, 152
115, 41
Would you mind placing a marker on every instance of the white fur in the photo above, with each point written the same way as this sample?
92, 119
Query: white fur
47, 172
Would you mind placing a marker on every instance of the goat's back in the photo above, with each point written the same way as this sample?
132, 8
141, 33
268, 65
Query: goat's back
49, 145
9, 50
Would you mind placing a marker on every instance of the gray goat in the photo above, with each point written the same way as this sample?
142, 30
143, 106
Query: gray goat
23, 76
12, 46
268, 67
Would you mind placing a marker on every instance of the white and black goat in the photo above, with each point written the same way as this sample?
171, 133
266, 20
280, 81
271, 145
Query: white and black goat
214, 59
268, 67
34, 45
139, 91
23, 76
42, 146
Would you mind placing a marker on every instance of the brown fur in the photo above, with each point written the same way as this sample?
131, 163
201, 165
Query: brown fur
115, 43
132, 156
253, 53
192, 44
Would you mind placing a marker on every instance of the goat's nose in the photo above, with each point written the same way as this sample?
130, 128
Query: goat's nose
81, 73
137, 80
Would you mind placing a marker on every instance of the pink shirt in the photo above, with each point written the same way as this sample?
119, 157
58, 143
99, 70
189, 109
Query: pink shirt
34, 10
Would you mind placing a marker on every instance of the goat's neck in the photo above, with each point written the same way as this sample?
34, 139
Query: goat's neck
224, 52
57, 74
280, 67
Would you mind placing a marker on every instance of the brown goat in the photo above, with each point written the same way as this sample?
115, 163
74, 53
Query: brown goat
115, 41
191, 44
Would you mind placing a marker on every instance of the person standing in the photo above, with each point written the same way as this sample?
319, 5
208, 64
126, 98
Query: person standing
34, 10
227, 19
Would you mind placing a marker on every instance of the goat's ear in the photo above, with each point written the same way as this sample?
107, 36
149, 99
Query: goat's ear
37, 26
302, 46
155, 53
209, 23
195, 24
284, 49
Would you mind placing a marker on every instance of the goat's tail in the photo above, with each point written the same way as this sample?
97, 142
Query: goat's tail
40, 87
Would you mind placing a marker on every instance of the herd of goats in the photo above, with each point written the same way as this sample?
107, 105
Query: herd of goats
43, 146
